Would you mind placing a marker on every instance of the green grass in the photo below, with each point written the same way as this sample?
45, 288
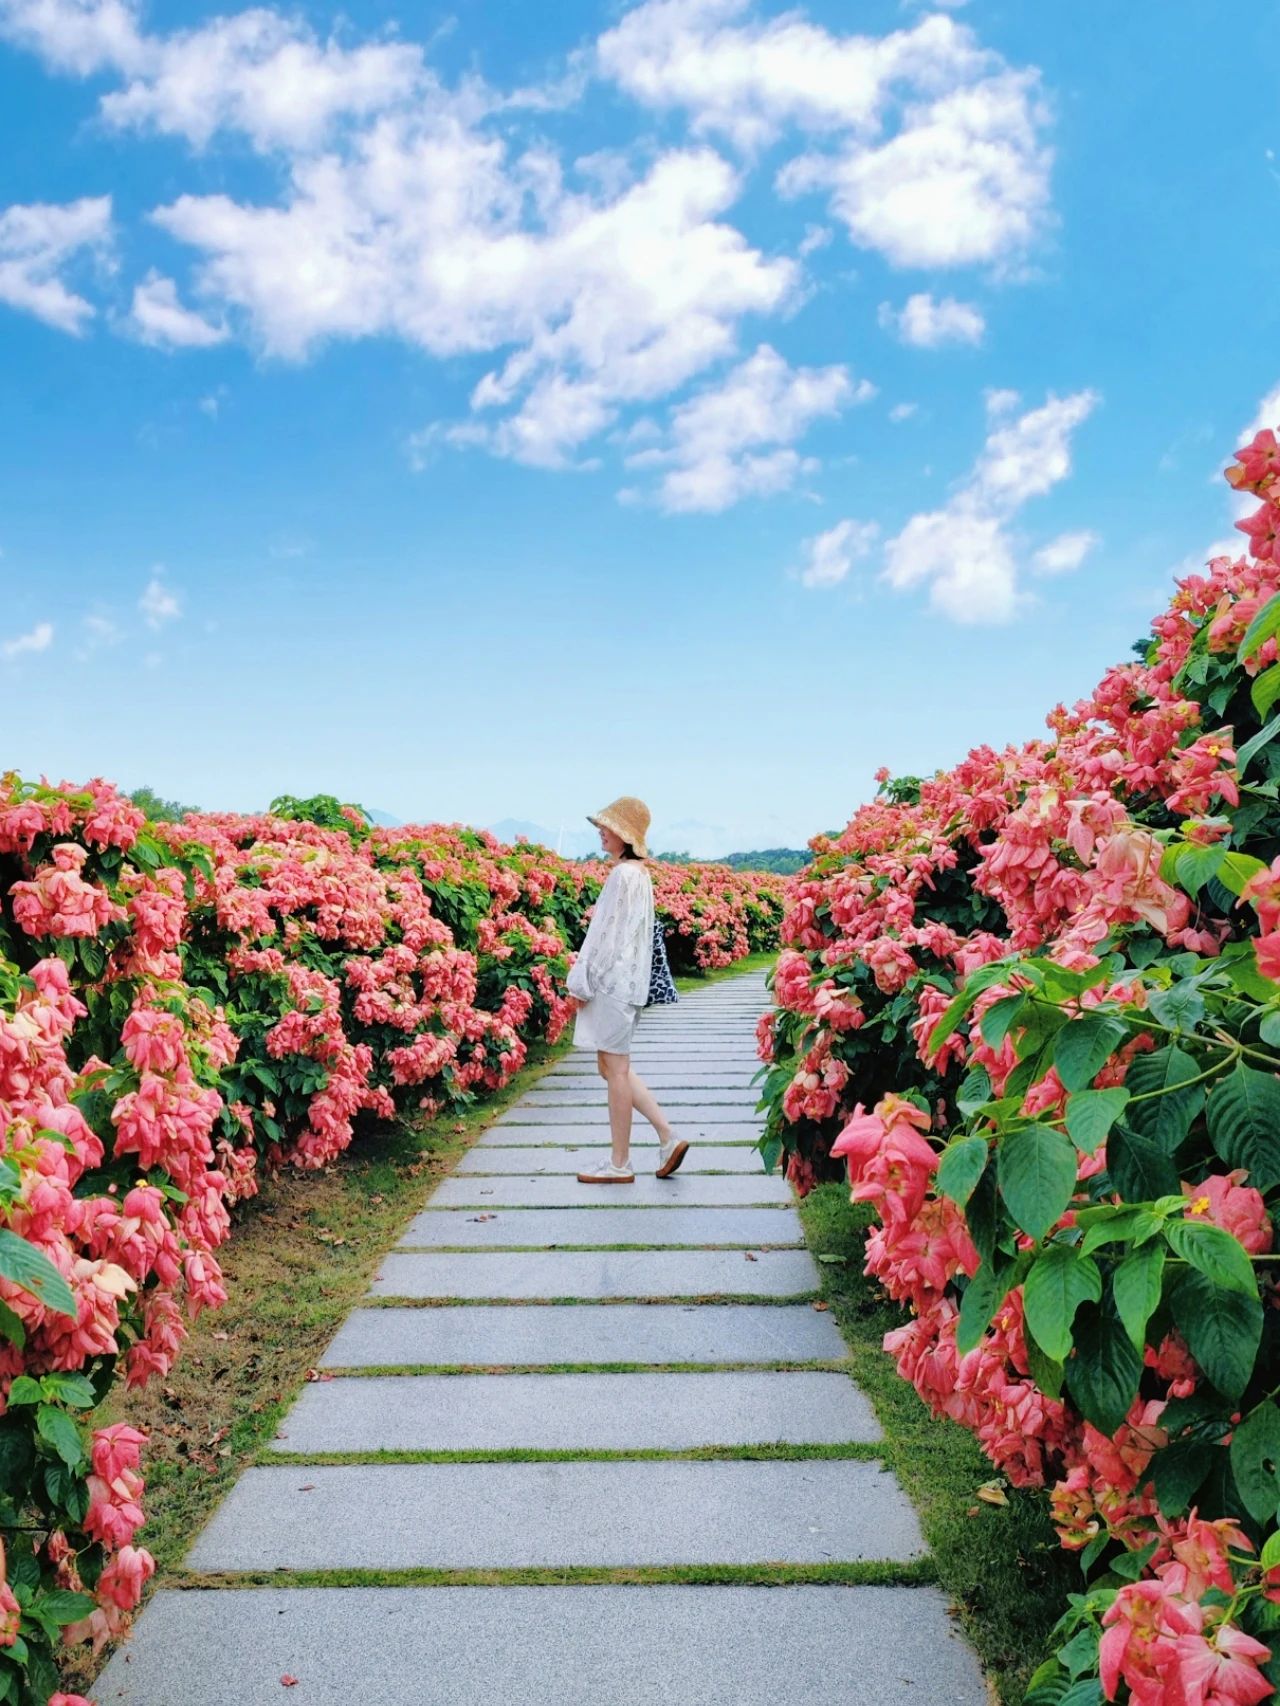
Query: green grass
1001, 1565
852, 1574
594, 1302
858, 1452
373, 1370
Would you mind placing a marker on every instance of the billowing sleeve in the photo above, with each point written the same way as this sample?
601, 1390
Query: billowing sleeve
616, 955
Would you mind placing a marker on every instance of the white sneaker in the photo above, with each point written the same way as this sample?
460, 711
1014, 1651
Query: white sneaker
607, 1172
670, 1155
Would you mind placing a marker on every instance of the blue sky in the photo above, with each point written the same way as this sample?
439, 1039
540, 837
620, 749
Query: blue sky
481, 411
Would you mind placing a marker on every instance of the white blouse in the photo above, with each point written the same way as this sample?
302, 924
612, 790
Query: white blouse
616, 957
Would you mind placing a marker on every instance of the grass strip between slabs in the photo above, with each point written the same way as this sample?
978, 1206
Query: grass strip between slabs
861, 1451
857, 1573
602, 1302
365, 1371
1000, 1563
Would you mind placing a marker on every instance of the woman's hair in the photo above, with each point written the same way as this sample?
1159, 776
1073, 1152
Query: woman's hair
628, 851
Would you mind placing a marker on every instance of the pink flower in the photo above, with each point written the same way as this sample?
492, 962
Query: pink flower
1224, 1200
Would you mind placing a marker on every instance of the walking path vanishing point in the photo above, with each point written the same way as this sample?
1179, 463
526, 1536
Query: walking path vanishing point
645, 1296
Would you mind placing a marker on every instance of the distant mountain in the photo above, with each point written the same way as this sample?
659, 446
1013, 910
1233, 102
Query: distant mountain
385, 819
574, 843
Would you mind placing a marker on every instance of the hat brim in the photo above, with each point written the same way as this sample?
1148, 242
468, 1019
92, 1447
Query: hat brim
637, 847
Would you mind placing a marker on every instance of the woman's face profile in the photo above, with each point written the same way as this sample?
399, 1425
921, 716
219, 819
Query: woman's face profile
611, 841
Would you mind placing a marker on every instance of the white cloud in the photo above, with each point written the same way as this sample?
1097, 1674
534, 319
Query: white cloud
1064, 554
38, 640
933, 146
36, 243
964, 182
160, 319
158, 604
902, 412
732, 440
1000, 402
965, 553
831, 555
256, 71
928, 323
430, 233
1268, 416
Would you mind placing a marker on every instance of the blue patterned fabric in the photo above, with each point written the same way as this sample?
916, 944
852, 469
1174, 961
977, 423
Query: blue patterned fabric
662, 989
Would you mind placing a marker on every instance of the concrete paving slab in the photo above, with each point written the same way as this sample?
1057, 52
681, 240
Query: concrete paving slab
694, 1190
589, 1096
553, 1228
523, 1515
702, 1158
507, 1335
547, 1646
709, 1113
667, 1078
596, 1273
505, 1134
576, 1412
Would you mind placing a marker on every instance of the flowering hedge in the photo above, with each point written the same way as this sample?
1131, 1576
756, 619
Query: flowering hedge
181, 1006
1052, 975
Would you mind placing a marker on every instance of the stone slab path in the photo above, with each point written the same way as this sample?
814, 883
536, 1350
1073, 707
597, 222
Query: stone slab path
521, 1391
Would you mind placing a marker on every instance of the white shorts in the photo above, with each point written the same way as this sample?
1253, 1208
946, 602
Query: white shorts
605, 1024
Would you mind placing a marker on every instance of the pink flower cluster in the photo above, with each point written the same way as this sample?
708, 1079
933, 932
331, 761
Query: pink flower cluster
1048, 849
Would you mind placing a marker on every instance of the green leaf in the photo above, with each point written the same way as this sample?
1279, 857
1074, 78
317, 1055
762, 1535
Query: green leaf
1243, 1117
1116, 1223
1168, 1109
963, 1163
31, 1269
1216, 1253
72, 1389
1086, 1692
61, 1606
1059, 1281
25, 1390
16, 1456
1138, 1166
1081, 1652
56, 1427
1255, 1461
1222, 1330
1136, 1286
1091, 1115
1102, 1376
975, 1090
1194, 865
963, 1002
999, 1019
983, 1295
1085, 1046
11, 1326
1178, 1471
1249, 751
1269, 1029
1265, 691
1237, 870
1044, 1370
1264, 625
1180, 1007
1036, 1169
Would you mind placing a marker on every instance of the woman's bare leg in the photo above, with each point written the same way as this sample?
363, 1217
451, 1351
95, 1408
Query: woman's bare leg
615, 1070
646, 1104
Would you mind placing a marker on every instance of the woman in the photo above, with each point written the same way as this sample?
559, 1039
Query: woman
610, 977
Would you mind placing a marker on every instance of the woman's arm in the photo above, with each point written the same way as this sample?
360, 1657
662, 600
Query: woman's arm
580, 982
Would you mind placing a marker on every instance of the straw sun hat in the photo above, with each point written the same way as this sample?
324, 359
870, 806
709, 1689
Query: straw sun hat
627, 817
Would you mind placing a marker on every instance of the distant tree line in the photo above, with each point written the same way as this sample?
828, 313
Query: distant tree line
783, 860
